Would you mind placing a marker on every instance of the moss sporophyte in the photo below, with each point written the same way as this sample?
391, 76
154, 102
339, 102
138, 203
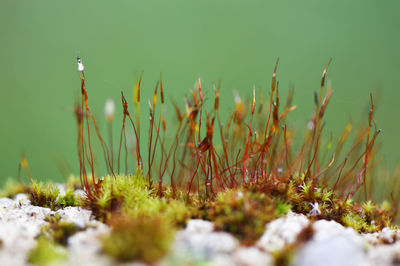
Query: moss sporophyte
240, 173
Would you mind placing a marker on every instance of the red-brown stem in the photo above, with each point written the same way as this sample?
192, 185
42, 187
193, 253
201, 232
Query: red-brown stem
346, 158
150, 144
120, 142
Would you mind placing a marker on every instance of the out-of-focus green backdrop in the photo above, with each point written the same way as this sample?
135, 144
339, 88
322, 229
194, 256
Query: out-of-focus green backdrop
237, 41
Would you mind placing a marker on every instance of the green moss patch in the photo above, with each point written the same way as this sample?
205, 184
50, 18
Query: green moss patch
142, 237
46, 252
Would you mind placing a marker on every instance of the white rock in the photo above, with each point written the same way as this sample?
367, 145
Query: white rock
76, 215
22, 199
371, 238
333, 244
204, 246
61, 189
324, 229
7, 203
79, 193
19, 225
388, 235
282, 231
222, 260
384, 254
251, 256
85, 248
332, 251
199, 226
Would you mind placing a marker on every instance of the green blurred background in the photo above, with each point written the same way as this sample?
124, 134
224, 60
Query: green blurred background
236, 41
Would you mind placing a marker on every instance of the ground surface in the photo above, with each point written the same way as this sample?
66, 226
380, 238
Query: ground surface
198, 244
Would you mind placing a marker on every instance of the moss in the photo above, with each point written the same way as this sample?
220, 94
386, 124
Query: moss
73, 182
285, 256
12, 188
354, 220
46, 252
44, 195
282, 207
368, 207
114, 193
68, 199
144, 238
58, 230
242, 213
48, 196
130, 195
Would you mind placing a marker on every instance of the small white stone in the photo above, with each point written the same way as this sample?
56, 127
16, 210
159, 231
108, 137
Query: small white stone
247, 256
79, 193
371, 238
324, 229
222, 260
85, 248
7, 203
333, 251
387, 235
282, 231
204, 246
76, 215
199, 226
22, 199
61, 189
384, 254
19, 225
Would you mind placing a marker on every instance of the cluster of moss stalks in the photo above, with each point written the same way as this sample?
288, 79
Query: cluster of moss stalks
245, 175
143, 223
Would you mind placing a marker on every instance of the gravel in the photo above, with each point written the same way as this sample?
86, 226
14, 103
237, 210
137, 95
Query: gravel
330, 244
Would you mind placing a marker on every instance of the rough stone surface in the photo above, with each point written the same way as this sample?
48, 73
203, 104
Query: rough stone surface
19, 224
61, 189
327, 229
332, 251
203, 246
349, 247
77, 215
199, 226
79, 193
388, 235
384, 254
247, 256
85, 249
282, 231
198, 243
22, 198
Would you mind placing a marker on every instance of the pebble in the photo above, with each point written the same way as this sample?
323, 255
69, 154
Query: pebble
332, 251
282, 231
252, 256
199, 226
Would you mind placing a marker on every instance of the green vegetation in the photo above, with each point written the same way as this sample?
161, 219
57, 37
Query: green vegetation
246, 175
142, 237
130, 195
48, 196
59, 231
44, 195
68, 199
51, 242
46, 252
243, 213
12, 188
